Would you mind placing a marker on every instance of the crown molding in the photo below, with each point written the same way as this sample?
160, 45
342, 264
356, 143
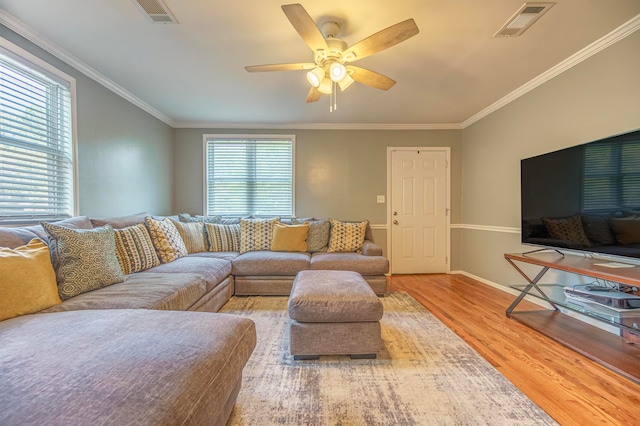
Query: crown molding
613, 37
23, 30
317, 126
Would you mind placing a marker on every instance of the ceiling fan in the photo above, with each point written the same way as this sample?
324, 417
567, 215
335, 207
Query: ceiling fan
331, 54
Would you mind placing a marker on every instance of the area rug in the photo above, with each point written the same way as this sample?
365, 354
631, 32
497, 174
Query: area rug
424, 375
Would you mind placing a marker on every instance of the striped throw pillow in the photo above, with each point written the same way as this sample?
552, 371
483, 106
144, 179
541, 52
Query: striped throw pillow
134, 249
193, 236
223, 237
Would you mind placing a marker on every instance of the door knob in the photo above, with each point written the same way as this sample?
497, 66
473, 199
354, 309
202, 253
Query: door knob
395, 213
395, 222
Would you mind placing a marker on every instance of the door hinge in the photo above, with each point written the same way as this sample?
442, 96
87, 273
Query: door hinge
446, 260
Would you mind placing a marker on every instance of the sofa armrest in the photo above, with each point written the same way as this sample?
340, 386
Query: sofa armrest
369, 248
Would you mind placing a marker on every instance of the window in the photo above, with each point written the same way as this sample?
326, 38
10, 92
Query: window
249, 175
612, 176
36, 143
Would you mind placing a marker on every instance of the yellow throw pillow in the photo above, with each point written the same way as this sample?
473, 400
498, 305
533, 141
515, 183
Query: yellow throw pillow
289, 237
28, 283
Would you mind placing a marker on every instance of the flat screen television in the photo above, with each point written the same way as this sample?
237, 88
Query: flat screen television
584, 198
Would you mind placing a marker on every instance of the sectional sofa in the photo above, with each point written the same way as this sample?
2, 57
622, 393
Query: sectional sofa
78, 361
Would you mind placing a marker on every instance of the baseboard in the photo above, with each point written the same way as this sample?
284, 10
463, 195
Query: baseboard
509, 290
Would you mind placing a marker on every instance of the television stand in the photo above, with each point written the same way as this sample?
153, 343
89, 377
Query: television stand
541, 250
610, 350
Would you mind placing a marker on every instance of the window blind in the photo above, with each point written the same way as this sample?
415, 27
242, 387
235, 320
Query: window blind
36, 147
611, 176
249, 176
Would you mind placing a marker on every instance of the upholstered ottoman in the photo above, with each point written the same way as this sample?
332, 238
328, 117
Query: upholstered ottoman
333, 313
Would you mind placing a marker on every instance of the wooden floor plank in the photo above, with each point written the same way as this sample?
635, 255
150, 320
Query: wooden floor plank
571, 388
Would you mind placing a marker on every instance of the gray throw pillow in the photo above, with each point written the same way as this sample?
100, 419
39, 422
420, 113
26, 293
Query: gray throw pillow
84, 259
319, 232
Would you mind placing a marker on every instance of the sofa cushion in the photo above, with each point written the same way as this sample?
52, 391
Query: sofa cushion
15, 237
365, 265
28, 283
122, 367
268, 263
256, 234
134, 249
144, 290
84, 259
223, 237
226, 255
319, 232
211, 269
193, 236
119, 221
166, 239
347, 236
290, 237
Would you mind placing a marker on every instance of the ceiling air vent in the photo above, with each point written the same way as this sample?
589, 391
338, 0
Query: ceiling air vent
156, 11
523, 19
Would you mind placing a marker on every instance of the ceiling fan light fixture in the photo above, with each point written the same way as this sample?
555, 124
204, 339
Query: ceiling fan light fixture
345, 82
337, 71
315, 76
326, 86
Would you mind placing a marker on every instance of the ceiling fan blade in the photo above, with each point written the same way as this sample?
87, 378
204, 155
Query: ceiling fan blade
280, 67
305, 26
381, 40
313, 95
371, 78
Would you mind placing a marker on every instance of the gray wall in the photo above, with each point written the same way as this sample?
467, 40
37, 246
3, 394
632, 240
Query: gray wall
597, 98
124, 153
338, 172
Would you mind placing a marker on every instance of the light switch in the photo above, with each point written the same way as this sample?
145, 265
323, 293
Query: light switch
380, 199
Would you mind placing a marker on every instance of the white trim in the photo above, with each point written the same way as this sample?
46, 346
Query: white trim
317, 126
381, 226
489, 228
509, 290
613, 37
447, 151
22, 29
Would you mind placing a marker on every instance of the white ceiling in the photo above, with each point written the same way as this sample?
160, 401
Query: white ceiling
192, 74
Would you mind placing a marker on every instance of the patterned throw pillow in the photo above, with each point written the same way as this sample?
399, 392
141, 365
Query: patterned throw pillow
223, 237
319, 232
569, 229
166, 239
256, 234
347, 236
134, 249
193, 236
84, 259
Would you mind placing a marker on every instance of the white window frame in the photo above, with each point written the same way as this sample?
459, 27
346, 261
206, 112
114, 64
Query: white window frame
241, 137
44, 67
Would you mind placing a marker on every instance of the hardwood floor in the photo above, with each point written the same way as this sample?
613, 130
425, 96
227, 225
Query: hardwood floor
571, 388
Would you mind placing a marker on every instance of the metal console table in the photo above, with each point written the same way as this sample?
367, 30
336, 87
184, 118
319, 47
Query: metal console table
607, 349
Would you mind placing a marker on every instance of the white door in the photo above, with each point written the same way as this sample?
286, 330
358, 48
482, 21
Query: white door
418, 210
